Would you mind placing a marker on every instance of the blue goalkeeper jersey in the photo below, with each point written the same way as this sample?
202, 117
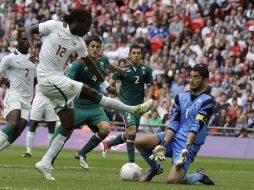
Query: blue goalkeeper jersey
191, 114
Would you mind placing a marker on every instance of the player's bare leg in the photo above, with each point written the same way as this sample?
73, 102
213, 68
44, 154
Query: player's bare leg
145, 144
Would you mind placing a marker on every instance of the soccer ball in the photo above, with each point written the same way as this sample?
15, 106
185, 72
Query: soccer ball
130, 172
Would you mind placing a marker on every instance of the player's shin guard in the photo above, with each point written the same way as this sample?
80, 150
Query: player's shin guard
193, 178
145, 155
131, 147
56, 145
115, 105
92, 143
50, 135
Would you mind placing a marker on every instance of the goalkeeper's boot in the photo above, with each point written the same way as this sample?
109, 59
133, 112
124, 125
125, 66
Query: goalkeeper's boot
46, 170
206, 180
105, 149
26, 155
143, 108
150, 174
82, 161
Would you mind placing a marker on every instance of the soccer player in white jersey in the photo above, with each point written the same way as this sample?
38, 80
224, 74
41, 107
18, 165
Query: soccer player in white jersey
17, 102
41, 111
61, 39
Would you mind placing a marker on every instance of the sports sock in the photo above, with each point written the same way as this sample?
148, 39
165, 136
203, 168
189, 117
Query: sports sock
90, 145
56, 145
145, 155
116, 105
7, 130
118, 140
130, 142
50, 135
193, 178
29, 141
3, 137
5, 145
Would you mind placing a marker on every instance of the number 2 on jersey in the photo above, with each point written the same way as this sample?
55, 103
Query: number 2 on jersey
61, 50
137, 80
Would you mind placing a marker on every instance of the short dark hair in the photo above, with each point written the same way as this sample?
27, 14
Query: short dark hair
78, 15
135, 46
202, 70
96, 38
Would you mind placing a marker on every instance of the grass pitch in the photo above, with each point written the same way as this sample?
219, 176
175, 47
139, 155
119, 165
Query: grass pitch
17, 173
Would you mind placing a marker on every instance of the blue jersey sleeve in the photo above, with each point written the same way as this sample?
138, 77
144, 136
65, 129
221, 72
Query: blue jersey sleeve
175, 116
204, 114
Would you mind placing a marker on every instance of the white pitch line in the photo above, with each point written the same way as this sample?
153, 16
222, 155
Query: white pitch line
102, 168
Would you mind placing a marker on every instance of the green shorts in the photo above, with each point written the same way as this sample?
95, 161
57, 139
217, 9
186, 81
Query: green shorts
89, 116
130, 119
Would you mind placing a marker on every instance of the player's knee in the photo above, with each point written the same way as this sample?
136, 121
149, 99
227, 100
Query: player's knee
105, 128
132, 130
172, 181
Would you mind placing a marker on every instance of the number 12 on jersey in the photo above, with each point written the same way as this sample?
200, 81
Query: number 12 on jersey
61, 50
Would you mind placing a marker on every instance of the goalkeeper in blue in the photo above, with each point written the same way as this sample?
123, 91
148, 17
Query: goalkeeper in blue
185, 133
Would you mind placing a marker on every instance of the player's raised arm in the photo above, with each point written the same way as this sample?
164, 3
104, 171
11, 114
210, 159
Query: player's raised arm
30, 31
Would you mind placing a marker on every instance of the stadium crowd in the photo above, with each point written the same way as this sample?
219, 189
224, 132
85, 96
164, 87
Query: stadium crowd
175, 36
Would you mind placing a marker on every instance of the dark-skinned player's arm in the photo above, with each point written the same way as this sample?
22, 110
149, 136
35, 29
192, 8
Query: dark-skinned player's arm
202, 118
30, 31
117, 69
160, 150
91, 65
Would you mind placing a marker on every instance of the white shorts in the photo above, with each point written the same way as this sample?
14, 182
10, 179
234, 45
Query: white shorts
60, 90
12, 102
42, 109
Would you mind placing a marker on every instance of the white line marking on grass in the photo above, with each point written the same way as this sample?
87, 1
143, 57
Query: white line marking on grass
102, 168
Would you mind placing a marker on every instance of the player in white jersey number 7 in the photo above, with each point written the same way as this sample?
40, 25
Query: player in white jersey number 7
61, 39
18, 98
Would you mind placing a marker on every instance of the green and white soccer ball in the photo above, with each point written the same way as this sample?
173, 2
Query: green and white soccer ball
130, 172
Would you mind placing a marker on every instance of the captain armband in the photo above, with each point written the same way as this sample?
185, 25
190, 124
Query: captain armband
202, 118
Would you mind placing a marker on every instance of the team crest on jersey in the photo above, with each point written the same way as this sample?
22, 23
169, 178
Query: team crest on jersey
74, 43
85, 68
198, 104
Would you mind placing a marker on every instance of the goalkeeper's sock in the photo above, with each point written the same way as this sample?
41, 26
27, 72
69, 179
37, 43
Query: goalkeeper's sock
145, 155
193, 178
118, 140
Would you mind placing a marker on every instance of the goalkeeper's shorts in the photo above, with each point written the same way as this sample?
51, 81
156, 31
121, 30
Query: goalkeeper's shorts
174, 147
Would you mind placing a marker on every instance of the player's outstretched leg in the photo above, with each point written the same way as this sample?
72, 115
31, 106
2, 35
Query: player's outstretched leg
107, 102
145, 145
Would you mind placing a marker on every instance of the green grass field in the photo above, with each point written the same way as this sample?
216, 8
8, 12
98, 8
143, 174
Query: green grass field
18, 173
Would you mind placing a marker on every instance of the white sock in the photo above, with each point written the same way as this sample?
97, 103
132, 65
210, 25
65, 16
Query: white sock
5, 145
29, 141
50, 135
115, 105
55, 147
3, 137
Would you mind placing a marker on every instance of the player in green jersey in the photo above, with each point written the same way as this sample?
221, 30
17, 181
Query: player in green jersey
132, 92
86, 111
